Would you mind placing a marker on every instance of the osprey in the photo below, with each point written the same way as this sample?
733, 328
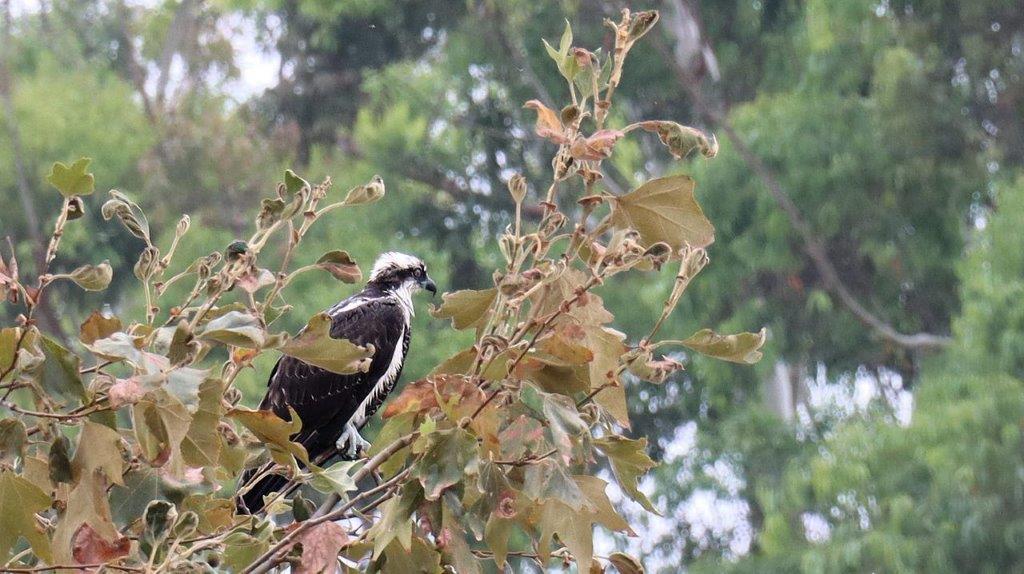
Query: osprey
332, 407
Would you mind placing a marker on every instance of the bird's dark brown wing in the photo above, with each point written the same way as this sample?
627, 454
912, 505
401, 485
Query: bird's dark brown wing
324, 400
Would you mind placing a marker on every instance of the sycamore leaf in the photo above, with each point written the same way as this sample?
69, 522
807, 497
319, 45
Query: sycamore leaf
321, 545
597, 146
466, 308
293, 183
119, 346
128, 212
60, 372
629, 462
93, 277
625, 563
99, 449
457, 395
314, 345
74, 180
450, 455
161, 423
365, 194
682, 140
574, 529
664, 209
742, 348
97, 326
274, 432
549, 125
236, 328
339, 264
335, 479
19, 501
395, 523
241, 549
201, 445
13, 437
419, 558
88, 547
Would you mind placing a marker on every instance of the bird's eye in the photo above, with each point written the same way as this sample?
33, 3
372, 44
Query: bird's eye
417, 273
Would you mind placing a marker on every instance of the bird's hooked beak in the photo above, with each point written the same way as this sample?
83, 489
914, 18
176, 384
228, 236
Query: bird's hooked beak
427, 283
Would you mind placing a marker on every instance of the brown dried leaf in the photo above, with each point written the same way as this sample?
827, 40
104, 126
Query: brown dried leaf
597, 146
96, 327
549, 125
88, 547
321, 545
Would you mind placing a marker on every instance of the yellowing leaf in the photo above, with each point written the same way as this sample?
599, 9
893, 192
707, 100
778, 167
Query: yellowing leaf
314, 345
99, 449
274, 432
664, 209
19, 501
629, 462
74, 180
466, 308
742, 348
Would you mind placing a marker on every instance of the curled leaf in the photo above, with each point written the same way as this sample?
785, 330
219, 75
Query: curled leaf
341, 265
597, 146
549, 125
742, 348
682, 140
93, 277
365, 194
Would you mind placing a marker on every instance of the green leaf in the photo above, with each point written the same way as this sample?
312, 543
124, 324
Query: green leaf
241, 549
13, 437
341, 265
395, 523
99, 449
119, 346
629, 462
293, 183
59, 459
19, 501
314, 345
236, 328
161, 423
466, 308
742, 348
74, 180
201, 445
450, 455
664, 209
59, 375
93, 277
335, 479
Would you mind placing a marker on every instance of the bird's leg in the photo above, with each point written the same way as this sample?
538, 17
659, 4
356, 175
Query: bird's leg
355, 443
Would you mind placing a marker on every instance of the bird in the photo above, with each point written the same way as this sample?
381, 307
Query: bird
333, 407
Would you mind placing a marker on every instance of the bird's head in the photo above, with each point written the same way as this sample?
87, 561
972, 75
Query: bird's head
393, 271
